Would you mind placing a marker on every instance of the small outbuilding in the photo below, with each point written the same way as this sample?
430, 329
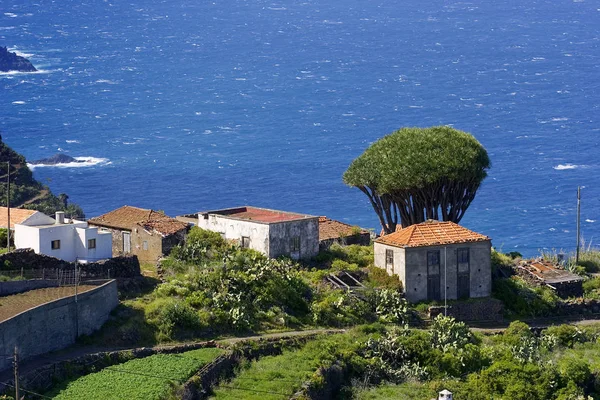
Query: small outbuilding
271, 232
437, 260
148, 234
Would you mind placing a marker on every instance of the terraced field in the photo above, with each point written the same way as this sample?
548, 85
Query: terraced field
408, 391
17, 303
149, 378
273, 377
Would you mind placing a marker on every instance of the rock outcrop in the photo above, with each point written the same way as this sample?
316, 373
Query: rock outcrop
56, 159
12, 62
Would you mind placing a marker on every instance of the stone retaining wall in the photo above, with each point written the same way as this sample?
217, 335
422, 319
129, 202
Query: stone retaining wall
55, 325
116, 267
480, 310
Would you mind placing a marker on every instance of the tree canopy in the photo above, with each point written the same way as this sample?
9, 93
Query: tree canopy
415, 174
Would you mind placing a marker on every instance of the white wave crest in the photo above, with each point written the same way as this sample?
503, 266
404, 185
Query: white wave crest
39, 71
561, 167
83, 162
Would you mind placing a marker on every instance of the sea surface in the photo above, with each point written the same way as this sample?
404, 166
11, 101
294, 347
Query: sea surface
184, 106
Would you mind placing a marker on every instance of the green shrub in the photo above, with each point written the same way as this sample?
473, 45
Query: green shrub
341, 265
500, 260
521, 300
516, 332
390, 306
447, 333
201, 246
173, 317
576, 370
566, 335
379, 278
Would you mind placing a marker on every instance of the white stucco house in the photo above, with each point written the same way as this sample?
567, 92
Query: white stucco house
437, 260
69, 240
271, 232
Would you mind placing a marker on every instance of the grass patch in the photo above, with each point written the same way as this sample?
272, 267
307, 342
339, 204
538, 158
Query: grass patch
144, 379
408, 391
279, 377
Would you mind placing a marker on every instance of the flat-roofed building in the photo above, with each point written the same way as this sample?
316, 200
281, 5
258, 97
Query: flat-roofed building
271, 232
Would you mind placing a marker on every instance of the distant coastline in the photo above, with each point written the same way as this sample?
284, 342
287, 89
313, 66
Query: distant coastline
10, 61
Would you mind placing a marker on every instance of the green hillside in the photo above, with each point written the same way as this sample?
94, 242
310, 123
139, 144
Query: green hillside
26, 192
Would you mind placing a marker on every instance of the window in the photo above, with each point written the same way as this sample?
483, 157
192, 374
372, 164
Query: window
433, 258
463, 256
55, 244
145, 245
295, 244
245, 242
389, 258
91, 243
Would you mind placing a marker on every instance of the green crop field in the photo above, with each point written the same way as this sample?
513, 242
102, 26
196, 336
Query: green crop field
144, 379
274, 377
408, 391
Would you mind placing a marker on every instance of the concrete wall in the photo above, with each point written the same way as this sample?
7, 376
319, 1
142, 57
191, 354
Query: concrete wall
13, 287
410, 265
56, 325
281, 234
234, 229
155, 247
399, 260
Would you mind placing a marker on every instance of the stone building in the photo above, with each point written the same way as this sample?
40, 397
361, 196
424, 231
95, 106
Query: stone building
332, 231
273, 233
146, 233
437, 260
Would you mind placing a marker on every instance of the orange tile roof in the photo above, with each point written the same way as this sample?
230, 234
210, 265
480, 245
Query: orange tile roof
332, 229
127, 217
17, 216
431, 233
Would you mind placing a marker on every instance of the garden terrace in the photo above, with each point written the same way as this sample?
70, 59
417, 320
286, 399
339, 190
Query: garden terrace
149, 378
18, 303
275, 377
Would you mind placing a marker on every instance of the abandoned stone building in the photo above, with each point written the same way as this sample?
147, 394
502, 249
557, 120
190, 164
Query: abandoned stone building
437, 260
146, 233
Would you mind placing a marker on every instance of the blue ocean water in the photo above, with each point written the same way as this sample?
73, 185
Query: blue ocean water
199, 105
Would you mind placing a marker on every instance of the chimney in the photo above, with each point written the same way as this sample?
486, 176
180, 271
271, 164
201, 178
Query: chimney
445, 395
60, 217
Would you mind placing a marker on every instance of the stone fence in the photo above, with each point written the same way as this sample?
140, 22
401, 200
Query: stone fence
116, 267
488, 309
55, 325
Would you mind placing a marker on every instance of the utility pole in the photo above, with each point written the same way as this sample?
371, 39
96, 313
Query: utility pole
445, 283
16, 368
578, 223
8, 204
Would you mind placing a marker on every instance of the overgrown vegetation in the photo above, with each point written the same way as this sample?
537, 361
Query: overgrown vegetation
560, 363
212, 287
522, 300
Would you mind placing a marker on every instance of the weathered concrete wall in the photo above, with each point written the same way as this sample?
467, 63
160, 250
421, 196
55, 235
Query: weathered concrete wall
362, 239
281, 234
14, 287
399, 267
56, 325
234, 229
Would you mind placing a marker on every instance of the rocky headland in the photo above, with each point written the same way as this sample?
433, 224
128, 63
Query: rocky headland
56, 159
10, 61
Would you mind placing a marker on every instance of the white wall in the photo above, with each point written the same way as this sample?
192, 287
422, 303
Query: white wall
235, 229
73, 241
